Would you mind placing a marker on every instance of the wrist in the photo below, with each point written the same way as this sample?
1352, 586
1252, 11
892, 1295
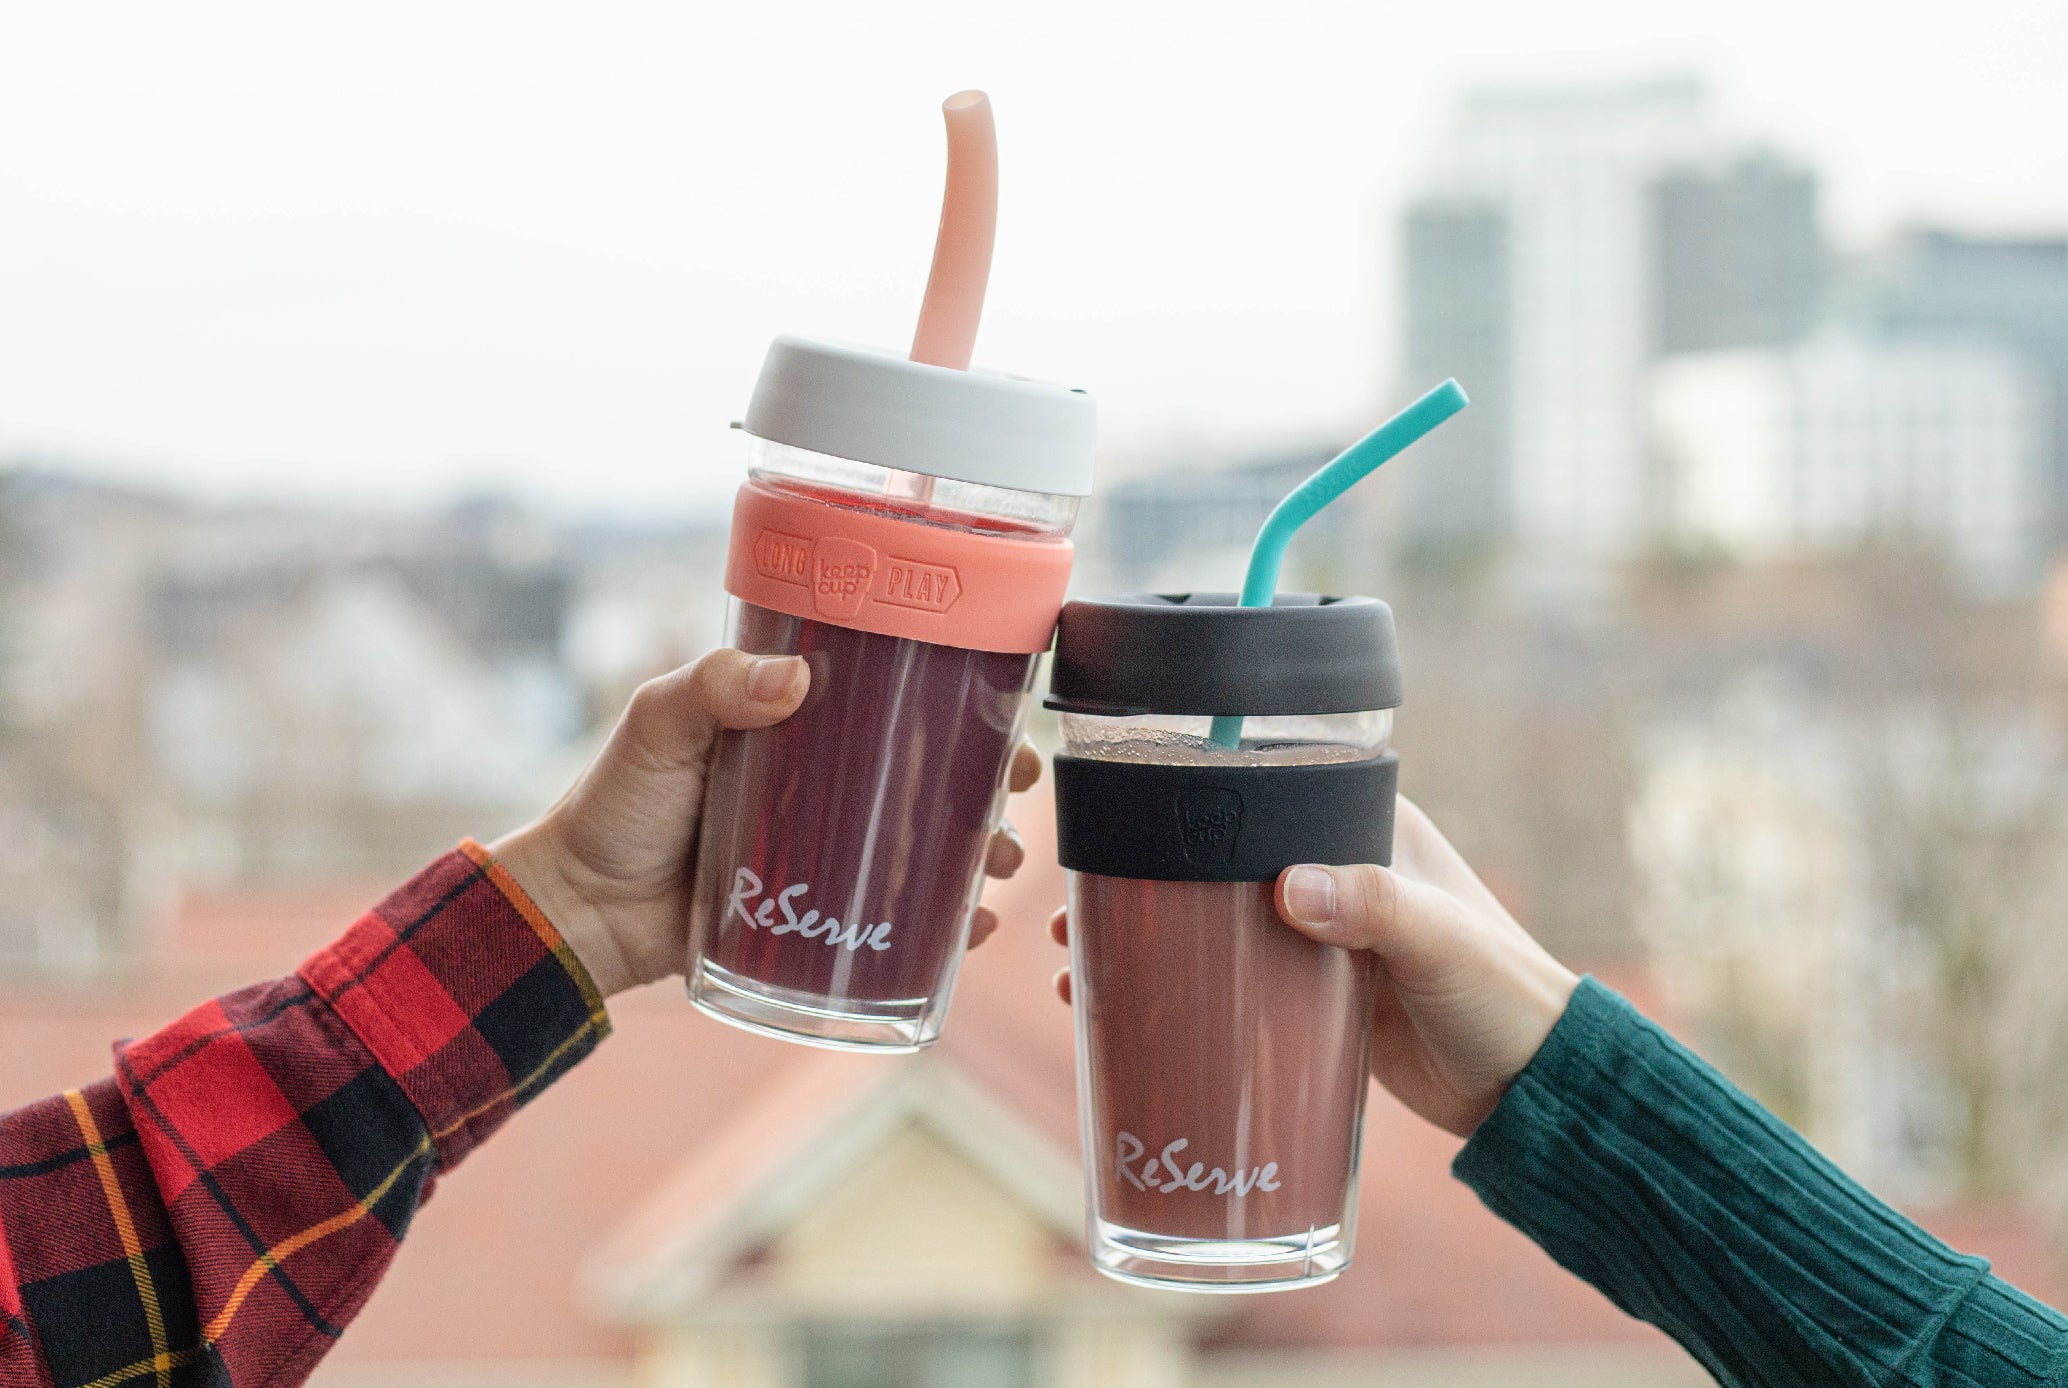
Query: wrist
534, 856
1544, 990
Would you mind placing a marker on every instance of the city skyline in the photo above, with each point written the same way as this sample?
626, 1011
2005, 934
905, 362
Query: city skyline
548, 258
1671, 354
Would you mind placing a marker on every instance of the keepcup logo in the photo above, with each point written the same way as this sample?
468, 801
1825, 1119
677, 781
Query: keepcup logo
842, 574
1208, 821
842, 571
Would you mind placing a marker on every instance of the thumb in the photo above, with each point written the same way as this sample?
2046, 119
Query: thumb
1366, 906
672, 721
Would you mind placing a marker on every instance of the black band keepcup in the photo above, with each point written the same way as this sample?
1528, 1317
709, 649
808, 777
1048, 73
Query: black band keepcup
1221, 823
1165, 811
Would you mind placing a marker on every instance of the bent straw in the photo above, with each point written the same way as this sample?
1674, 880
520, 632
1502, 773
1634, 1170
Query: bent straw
1334, 478
947, 332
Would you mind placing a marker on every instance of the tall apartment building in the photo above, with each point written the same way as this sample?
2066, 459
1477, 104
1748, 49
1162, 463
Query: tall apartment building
1846, 439
1738, 260
2006, 292
1460, 322
1561, 241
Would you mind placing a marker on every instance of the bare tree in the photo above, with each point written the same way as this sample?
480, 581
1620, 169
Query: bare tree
1965, 813
1921, 759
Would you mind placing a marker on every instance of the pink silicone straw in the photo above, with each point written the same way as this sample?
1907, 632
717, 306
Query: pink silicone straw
947, 334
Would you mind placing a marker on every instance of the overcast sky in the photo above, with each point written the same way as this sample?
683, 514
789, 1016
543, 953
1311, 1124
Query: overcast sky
411, 249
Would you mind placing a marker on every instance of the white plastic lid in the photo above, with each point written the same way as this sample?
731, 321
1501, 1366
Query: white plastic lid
974, 426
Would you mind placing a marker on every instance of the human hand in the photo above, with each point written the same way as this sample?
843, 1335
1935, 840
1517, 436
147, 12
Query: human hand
612, 863
1466, 996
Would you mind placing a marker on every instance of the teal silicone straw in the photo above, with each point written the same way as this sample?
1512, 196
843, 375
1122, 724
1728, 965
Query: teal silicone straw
1334, 478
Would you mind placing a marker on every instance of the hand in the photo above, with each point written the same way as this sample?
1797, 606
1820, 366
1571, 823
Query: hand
612, 863
1466, 997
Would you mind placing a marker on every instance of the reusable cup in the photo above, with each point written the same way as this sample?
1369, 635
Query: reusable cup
1222, 1056
904, 529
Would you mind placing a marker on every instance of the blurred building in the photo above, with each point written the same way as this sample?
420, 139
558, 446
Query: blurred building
1189, 524
1739, 256
1561, 241
1848, 842
1860, 915
2005, 292
643, 601
1459, 309
69, 891
332, 722
1754, 893
220, 693
1824, 446
81, 868
196, 693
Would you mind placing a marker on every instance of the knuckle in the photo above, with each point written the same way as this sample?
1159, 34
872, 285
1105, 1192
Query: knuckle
1375, 898
646, 700
709, 671
701, 683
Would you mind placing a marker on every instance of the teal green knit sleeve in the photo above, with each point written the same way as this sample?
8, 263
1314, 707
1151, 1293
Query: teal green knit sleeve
1644, 1171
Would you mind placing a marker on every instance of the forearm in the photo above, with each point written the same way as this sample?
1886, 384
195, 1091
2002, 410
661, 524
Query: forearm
231, 1196
1644, 1171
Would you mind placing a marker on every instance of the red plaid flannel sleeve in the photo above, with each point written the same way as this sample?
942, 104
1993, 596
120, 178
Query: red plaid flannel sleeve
218, 1210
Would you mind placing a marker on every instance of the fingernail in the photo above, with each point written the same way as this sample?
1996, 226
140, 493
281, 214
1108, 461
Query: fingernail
1310, 895
769, 678
1006, 853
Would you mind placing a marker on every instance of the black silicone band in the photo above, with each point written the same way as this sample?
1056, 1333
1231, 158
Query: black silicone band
1221, 823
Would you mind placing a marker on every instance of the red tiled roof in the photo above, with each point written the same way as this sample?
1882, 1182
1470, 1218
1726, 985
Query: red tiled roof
771, 1125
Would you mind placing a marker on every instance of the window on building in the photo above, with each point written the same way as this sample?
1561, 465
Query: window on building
916, 1357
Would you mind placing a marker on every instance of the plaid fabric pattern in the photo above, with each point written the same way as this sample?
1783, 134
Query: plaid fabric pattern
218, 1210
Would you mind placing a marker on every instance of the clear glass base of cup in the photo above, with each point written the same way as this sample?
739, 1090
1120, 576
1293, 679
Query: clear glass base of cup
1305, 1259
900, 1025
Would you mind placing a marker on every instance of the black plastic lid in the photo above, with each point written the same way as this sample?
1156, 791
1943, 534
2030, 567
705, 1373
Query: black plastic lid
1199, 653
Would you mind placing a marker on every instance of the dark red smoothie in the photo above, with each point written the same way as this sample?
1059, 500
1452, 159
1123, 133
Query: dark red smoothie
843, 852
1225, 1060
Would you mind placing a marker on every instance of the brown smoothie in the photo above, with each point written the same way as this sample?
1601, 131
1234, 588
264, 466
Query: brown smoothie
1226, 1059
842, 849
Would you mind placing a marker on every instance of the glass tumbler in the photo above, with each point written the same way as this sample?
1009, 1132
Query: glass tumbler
842, 850
1223, 1057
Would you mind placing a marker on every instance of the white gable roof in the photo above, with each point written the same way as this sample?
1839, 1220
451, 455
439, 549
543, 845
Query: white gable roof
786, 1155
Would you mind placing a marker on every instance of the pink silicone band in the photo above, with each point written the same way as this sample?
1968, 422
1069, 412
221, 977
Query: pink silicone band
895, 577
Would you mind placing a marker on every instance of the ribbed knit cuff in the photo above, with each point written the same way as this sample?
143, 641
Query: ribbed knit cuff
1644, 1171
